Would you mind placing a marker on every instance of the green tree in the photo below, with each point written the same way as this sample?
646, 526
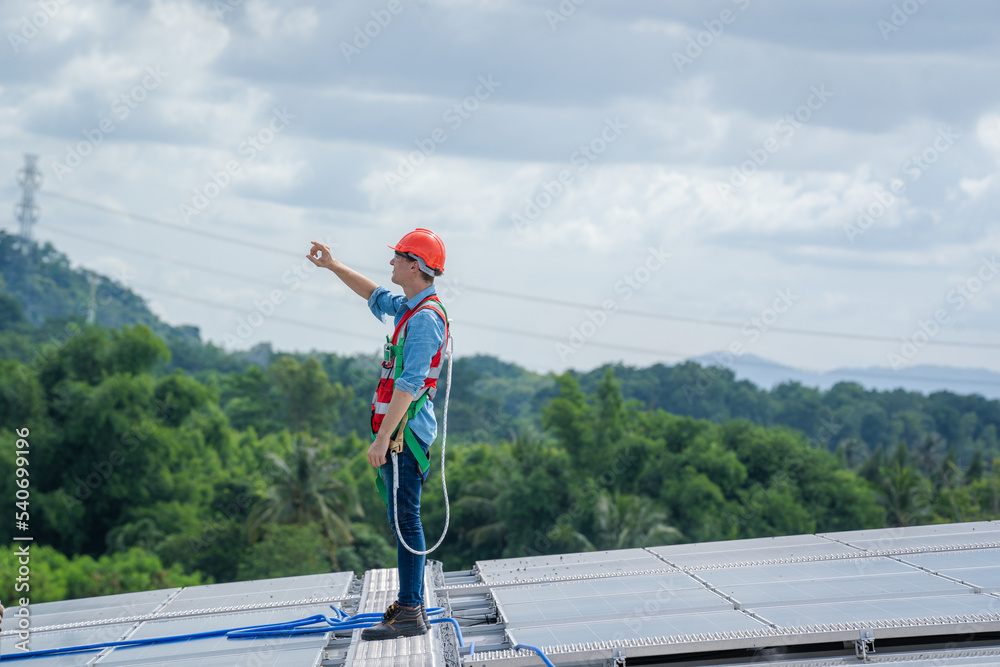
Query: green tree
905, 494
311, 402
623, 521
287, 551
56, 577
307, 488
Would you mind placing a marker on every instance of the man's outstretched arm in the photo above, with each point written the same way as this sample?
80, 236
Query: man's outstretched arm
320, 256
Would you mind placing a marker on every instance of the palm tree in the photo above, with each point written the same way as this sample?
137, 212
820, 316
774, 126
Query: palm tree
624, 521
905, 494
305, 489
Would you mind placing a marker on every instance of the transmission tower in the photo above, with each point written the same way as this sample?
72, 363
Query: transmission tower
92, 306
26, 212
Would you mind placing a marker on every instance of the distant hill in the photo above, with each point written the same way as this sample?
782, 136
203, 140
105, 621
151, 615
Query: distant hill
49, 290
41, 278
857, 410
925, 379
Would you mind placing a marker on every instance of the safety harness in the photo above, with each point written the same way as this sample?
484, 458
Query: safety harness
392, 368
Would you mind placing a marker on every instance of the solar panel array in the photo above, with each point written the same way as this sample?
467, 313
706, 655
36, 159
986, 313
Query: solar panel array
795, 590
179, 611
592, 608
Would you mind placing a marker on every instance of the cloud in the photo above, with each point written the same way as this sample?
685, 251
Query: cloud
743, 114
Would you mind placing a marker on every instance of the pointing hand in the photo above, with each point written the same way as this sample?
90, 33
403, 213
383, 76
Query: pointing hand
320, 255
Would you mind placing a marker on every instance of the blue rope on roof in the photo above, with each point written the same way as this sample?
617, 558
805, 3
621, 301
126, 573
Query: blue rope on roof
316, 624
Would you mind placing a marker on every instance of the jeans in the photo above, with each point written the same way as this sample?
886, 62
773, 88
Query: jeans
410, 566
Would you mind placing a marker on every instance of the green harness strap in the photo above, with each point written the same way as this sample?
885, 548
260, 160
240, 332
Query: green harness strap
411, 442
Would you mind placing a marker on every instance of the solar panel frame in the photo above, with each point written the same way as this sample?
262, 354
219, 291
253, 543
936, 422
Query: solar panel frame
757, 552
589, 564
105, 607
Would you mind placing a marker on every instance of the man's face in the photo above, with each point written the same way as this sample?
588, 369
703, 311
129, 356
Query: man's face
400, 267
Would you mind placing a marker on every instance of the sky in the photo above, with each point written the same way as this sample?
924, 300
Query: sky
623, 181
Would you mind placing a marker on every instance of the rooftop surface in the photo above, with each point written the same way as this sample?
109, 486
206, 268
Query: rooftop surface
927, 595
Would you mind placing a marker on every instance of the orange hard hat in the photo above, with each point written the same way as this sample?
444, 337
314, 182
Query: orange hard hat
424, 244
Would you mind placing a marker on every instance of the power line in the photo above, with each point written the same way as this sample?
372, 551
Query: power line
489, 327
529, 334
473, 325
167, 225
725, 323
542, 299
226, 306
191, 265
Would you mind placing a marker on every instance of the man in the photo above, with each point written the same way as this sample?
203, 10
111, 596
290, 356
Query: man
414, 355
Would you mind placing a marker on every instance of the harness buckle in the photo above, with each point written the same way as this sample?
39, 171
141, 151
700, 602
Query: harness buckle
396, 444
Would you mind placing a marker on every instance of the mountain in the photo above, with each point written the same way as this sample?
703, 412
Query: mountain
925, 379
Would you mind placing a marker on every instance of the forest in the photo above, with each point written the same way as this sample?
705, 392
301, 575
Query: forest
158, 460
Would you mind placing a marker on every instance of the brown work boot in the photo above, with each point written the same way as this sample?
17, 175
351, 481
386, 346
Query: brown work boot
398, 621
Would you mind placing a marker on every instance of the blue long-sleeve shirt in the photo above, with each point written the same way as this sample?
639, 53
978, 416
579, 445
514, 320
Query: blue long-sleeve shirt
424, 335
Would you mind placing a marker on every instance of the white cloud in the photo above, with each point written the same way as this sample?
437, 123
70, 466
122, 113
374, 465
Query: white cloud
658, 184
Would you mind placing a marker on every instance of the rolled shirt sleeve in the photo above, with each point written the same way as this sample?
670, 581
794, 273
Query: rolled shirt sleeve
382, 302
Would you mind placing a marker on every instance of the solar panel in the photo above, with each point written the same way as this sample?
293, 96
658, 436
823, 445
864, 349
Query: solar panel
591, 564
569, 602
285, 590
899, 612
41, 640
184, 611
730, 553
91, 609
950, 560
877, 587
938, 536
623, 630
802, 571
598, 587
219, 650
726, 546
802, 589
